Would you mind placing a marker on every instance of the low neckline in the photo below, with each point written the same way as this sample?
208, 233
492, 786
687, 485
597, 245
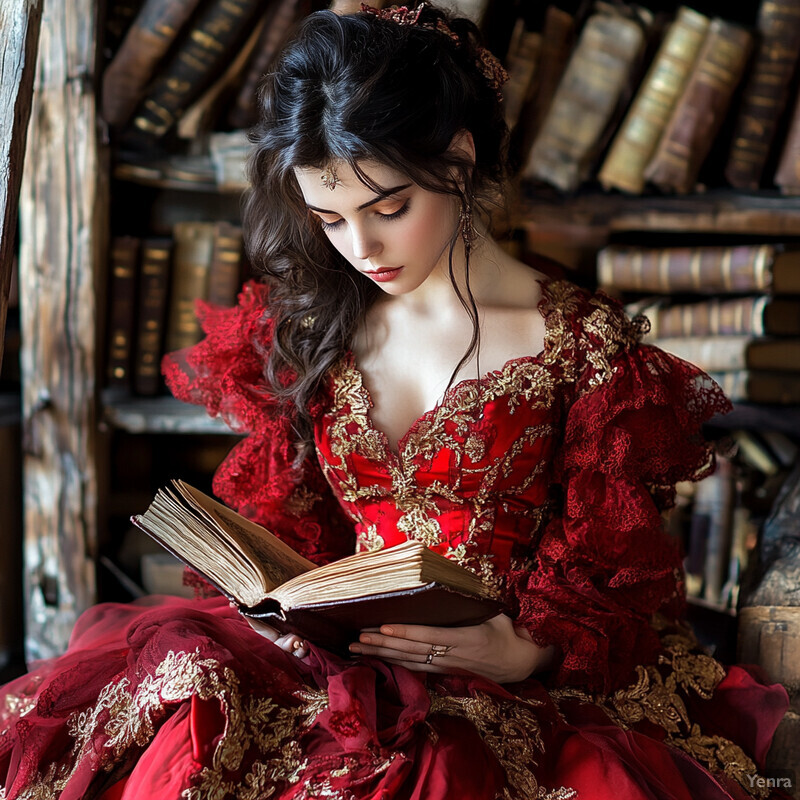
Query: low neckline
542, 306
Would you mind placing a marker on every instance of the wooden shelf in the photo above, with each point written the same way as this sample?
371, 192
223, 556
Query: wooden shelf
159, 415
590, 217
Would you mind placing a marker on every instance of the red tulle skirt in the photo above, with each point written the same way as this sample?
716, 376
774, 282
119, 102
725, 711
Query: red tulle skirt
168, 698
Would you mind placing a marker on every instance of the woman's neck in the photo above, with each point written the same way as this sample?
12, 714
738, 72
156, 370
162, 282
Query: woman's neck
488, 273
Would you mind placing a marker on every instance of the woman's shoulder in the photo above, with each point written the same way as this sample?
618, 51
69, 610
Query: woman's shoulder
592, 317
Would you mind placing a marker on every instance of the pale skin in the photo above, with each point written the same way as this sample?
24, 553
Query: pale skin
406, 350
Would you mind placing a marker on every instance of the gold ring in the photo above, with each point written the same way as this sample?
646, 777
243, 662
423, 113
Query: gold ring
439, 650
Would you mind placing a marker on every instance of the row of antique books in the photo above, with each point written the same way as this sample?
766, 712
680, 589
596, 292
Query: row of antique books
718, 519
180, 69
732, 310
153, 285
641, 103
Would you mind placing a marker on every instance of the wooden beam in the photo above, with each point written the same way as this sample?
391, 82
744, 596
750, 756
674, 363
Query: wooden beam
20, 21
62, 237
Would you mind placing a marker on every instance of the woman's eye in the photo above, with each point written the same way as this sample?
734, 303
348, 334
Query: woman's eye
396, 214
329, 226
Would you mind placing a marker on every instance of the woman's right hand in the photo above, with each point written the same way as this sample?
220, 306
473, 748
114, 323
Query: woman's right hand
288, 642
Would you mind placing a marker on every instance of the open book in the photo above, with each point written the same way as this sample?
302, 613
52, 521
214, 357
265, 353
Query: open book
328, 605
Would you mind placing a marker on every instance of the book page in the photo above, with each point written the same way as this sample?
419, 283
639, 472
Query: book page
274, 558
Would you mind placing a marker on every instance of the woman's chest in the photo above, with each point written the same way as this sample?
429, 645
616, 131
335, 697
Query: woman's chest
408, 372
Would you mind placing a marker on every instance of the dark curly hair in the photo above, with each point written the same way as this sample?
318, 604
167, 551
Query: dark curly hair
359, 88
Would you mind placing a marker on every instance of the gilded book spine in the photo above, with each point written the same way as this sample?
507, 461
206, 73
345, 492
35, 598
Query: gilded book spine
638, 136
124, 259
701, 109
153, 31
219, 26
522, 61
787, 176
758, 315
746, 268
153, 288
280, 16
765, 93
558, 35
596, 76
193, 244
226, 261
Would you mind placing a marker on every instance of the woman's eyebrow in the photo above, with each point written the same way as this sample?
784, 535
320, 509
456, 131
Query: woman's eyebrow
382, 196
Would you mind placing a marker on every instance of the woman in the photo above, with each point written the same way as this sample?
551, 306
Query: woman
540, 457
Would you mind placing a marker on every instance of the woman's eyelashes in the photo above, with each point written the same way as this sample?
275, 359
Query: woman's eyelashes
332, 226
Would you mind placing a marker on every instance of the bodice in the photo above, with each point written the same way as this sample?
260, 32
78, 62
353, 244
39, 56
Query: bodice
470, 479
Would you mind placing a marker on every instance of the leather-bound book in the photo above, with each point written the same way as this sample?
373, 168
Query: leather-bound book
558, 38
225, 272
701, 109
147, 41
637, 137
760, 386
787, 175
328, 605
123, 262
597, 76
191, 262
705, 269
730, 353
200, 56
154, 274
752, 315
765, 92
521, 63
281, 15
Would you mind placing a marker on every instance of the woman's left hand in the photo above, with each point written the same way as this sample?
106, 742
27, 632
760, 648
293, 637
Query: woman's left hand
494, 649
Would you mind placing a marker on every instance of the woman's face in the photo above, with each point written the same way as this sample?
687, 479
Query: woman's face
397, 238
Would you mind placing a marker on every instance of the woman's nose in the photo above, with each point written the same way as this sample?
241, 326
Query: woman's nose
365, 245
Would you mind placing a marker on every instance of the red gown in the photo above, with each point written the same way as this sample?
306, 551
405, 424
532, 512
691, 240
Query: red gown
547, 477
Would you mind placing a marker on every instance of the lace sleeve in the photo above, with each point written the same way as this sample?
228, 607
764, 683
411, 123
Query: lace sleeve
225, 373
605, 564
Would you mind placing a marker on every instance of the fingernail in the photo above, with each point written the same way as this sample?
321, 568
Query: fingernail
354, 648
364, 639
387, 630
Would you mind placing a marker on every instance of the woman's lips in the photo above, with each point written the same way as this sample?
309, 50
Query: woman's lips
384, 274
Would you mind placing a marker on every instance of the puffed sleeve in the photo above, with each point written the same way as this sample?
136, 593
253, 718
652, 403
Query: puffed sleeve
259, 479
605, 564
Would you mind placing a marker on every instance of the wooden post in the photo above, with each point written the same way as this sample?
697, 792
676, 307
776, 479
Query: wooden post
19, 21
62, 234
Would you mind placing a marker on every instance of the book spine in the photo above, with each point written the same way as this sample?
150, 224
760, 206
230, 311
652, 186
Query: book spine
710, 353
598, 72
558, 33
153, 31
521, 64
226, 265
765, 93
787, 174
191, 261
153, 289
759, 386
280, 17
701, 109
712, 317
720, 530
744, 268
218, 28
124, 258
638, 136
